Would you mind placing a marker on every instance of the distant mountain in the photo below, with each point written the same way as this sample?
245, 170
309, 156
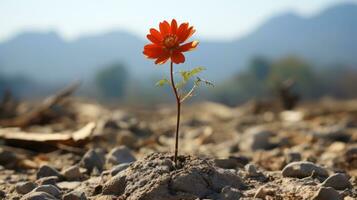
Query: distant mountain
327, 38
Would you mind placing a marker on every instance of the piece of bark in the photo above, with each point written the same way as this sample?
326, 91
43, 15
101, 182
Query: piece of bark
44, 141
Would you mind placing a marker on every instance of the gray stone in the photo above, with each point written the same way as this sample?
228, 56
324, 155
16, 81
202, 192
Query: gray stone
351, 154
7, 157
46, 171
120, 155
338, 181
25, 187
49, 189
333, 133
115, 185
93, 159
229, 193
72, 173
75, 195
50, 180
303, 169
293, 157
327, 193
252, 170
256, 138
2, 194
231, 162
38, 196
118, 168
127, 138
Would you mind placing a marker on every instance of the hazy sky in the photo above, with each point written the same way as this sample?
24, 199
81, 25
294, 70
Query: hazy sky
214, 19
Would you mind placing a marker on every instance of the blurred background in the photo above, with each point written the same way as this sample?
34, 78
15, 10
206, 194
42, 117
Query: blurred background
251, 49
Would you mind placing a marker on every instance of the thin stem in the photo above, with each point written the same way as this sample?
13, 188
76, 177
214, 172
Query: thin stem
178, 103
189, 94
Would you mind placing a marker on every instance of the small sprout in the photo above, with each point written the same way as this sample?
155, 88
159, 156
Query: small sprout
165, 45
162, 82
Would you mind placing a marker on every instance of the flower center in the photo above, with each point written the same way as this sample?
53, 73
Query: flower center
170, 41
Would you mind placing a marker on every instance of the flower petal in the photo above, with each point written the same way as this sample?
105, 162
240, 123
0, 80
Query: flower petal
155, 33
153, 51
173, 26
164, 28
177, 57
181, 31
152, 46
162, 59
153, 39
184, 36
188, 46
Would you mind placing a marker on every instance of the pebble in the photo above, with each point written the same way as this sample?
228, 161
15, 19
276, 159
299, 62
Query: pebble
252, 170
293, 157
303, 169
232, 162
2, 194
7, 157
256, 138
333, 133
351, 154
46, 171
50, 180
38, 196
120, 155
118, 168
72, 173
337, 181
25, 187
127, 138
93, 159
75, 195
66, 185
49, 189
327, 193
229, 193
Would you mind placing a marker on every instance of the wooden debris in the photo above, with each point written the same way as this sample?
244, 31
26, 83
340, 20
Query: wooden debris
8, 105
36, 141
37, 114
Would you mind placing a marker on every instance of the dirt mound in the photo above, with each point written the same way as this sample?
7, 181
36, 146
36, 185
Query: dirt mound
156, 177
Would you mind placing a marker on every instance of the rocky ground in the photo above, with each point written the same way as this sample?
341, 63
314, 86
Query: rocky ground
225, 154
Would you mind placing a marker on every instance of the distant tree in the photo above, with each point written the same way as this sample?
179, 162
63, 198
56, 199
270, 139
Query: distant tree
297, 70
112, 81
260, 67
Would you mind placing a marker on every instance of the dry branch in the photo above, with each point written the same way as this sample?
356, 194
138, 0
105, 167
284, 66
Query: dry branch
38, 113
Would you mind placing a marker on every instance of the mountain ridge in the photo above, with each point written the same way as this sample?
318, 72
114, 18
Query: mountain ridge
325, 38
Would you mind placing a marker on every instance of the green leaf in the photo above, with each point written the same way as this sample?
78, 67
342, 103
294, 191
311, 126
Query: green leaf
162, 82
186, 75
196, 70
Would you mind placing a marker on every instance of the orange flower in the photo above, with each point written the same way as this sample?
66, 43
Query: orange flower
167, 43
